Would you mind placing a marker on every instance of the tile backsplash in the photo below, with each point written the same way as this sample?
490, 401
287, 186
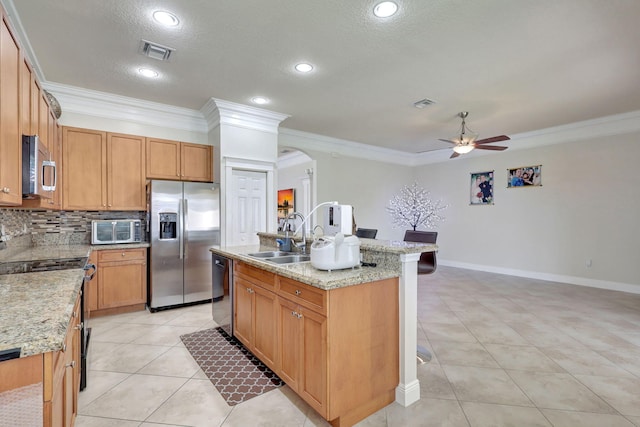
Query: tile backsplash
22, 227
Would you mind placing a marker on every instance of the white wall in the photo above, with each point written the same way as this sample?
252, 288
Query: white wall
586, 209
367, 185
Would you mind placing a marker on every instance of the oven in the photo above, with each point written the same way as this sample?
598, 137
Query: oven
90, 271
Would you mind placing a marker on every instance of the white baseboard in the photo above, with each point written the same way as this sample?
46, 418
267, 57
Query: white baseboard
573, 280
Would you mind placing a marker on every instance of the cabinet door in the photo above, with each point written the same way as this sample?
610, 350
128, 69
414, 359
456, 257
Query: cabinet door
313, 378
289, 343
122, 284
197, 162
25, 96
84, 171
43, 119
10, 138
125, 172
243, 311
264, 326
163, 159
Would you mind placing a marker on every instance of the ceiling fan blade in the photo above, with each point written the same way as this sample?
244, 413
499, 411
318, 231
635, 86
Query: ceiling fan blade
491, 147
492, 139
449, 141
454, 155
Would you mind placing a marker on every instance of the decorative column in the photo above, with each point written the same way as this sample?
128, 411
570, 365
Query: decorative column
408, 390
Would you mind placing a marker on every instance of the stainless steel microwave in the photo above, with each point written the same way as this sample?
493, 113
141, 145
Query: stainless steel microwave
38, 169
112, 231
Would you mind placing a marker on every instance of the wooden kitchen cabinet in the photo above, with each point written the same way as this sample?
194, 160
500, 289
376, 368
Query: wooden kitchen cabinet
338, 348
102, 171
10, 126
303, 345
121, 279
179, 160
255, 312
61, 377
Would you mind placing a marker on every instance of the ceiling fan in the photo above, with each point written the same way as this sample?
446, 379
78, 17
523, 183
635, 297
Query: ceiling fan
467, 141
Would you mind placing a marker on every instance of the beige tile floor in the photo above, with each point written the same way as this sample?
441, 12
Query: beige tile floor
507, 351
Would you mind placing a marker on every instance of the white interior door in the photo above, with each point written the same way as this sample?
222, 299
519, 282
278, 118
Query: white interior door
249, 207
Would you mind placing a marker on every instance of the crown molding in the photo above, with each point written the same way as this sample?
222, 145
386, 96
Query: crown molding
218, 111
336, 147
608, 126
21, 34
106, 105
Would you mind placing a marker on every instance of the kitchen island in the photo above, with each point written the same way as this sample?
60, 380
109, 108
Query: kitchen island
358, 325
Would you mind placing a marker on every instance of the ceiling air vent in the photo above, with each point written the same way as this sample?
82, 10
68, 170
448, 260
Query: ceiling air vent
423, 103
155, 50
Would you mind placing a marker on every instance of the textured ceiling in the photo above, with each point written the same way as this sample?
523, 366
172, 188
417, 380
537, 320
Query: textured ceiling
515, 65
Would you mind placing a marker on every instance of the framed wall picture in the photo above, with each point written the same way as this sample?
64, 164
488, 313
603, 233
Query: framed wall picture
525, 176
286, 202
481, 188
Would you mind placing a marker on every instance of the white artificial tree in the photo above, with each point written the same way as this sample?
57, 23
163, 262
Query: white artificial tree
414, 208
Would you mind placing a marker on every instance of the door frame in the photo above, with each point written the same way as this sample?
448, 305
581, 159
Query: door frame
229, 164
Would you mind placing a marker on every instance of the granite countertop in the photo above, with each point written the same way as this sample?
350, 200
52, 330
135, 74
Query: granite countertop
36, 309
306, 273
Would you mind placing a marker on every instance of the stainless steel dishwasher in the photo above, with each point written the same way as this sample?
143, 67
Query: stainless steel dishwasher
222, 278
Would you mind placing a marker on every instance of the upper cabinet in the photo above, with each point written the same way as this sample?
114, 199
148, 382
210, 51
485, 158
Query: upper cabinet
102, 171
10, 126
179, 160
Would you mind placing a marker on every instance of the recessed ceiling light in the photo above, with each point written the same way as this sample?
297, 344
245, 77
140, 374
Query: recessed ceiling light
385, 9
148, 72
260, 100
303, 67
166, 18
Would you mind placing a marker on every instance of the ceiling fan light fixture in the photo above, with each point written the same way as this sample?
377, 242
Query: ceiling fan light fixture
463, 149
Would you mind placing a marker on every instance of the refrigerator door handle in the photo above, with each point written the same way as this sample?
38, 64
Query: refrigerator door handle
181, 227
185, 234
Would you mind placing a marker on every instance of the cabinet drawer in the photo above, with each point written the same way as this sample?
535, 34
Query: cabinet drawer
303, 294
122, 254
263, 278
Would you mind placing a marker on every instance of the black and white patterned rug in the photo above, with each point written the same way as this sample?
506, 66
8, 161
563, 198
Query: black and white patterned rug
236, 373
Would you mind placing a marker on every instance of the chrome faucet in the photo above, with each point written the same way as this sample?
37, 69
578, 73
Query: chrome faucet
302, 246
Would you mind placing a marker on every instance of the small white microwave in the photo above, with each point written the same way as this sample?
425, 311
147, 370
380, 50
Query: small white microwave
112, 231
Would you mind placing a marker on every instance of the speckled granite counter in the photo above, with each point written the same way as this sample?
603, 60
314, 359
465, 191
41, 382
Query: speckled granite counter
36, 309
382, 252
36, 306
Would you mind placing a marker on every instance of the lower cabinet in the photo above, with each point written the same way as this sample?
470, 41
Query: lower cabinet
255, 315
338, 349
303, 352
120, 283
61, 378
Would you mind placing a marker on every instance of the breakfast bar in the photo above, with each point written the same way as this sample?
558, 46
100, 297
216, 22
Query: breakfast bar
362, 311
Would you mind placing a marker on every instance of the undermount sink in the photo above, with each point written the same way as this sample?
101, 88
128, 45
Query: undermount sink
270, 254
289, 259
280, 257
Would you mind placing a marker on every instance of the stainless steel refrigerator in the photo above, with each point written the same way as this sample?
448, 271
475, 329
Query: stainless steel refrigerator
184, 223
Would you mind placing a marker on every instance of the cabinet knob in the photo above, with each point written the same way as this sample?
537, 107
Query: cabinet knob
6, 190
122, 253
71, 365
298, 292
79, 325
293, 313
64, 347
299, 316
